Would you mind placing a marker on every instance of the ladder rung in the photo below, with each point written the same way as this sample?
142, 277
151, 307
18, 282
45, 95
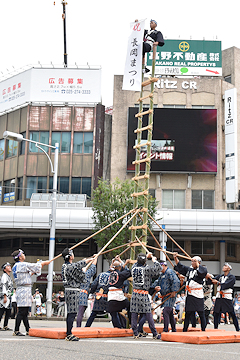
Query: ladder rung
149, 127
149, 111
149, 81
145, 97
137, 227
141, 161
144, 192
145, 176
141, 145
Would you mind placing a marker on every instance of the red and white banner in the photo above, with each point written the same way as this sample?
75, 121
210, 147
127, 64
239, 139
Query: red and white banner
133, 67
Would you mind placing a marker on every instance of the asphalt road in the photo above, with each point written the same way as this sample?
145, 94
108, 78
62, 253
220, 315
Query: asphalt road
32, 348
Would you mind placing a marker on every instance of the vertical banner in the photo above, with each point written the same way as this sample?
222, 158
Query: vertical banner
132, 78
231, 162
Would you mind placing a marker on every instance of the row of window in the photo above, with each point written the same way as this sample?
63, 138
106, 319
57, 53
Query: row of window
199, 247
82, 143
38, 184
175, 199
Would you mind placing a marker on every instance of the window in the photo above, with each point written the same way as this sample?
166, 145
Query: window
11, 148
228, 79
202, 199
36, 185
173, 247
22, 145
173, 199
203, 107
202, 248
39, 136
83, 143
20, 187
64, 185
174, 106
1, 149
231, 249
81, 186
9, 190
64, 141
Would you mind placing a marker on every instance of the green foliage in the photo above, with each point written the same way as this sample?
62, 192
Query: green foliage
110, 202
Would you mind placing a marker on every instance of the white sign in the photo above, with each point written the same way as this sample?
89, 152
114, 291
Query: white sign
231, 149
51, 86
132, 79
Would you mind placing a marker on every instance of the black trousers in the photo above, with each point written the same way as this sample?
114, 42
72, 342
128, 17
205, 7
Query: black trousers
233, 316
22, 315
188, 317
7, 315
70, 320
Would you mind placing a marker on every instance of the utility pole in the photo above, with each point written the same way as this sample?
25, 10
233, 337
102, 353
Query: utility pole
64, 3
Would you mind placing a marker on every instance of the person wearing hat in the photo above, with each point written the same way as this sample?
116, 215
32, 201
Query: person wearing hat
142, 275
168, 284
152, 38
195, 275
73, 276
6, 289
225, 284
22, 272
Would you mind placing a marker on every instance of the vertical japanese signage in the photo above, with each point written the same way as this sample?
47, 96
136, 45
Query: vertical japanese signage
231, 161
188, 57
133, 67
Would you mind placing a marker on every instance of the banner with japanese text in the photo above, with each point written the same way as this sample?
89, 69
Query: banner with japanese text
132, 78
188, 57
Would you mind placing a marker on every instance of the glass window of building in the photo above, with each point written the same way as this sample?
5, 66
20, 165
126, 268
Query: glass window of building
81, 186
78, 143
173, 199
19, 188
31, 186
199, 247
56, 138
88, 143
2, 149
11, 147
9, 190
42, 184
64, 185
231, 249
22, 145
66, 142
38, 136
202, 199
174, 248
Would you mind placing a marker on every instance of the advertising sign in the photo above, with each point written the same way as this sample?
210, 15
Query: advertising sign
188, 57
132, 78
231, 149
9, 197
184, 140
51, 86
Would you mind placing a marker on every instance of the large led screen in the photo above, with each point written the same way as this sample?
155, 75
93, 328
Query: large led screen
183, 140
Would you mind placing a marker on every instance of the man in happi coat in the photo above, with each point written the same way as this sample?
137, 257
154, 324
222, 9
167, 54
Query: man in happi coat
194, 289
84, 291
100, 287
142, 275
116, 298
168, 284
72, 276
224, 297
6, 290
22, 272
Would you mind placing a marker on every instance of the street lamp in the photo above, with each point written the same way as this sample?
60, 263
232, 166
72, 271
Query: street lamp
54, 169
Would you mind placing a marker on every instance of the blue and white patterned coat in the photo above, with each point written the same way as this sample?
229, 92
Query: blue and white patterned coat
73, 276
168, 282
22, 272
6, 288
101, 281
83, 297
142, 278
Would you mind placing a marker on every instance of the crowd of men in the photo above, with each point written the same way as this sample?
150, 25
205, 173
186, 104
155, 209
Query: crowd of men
149, 278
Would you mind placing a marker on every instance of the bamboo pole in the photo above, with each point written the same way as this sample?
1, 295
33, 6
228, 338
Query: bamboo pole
165, 232
167, 298
168, 252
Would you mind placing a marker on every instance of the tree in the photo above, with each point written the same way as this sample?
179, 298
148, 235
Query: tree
110, 202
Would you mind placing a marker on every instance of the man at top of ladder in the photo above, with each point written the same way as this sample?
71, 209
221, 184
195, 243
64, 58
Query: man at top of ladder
151, 37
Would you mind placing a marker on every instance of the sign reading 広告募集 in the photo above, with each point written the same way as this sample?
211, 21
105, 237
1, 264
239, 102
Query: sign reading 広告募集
188, 57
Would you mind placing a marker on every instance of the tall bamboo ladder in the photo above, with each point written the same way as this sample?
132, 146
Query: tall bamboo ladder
143, 178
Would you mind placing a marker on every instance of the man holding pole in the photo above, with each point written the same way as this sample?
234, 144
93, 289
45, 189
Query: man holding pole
195, 275
142, 275
22, 272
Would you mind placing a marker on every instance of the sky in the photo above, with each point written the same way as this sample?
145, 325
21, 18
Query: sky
97, 31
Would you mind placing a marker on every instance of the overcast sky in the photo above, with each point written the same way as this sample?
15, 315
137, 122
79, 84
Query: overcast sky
97, 31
